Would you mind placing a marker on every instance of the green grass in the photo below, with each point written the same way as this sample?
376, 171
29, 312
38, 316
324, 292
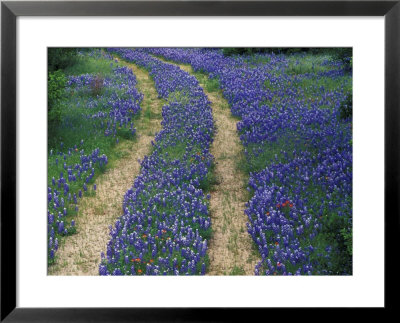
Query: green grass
257, 59
75, 127
179, 96
212, 85
261, 156
207, 185
312, 87
299, 64
90, 65
336, 230
237, 271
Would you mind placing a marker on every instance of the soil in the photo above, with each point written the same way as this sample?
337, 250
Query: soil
80, 254
231, 249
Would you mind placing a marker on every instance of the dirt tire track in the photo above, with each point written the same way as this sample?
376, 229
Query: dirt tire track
231, 249
79, 254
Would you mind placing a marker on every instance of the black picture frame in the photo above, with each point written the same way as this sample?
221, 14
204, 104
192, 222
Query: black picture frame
10, 10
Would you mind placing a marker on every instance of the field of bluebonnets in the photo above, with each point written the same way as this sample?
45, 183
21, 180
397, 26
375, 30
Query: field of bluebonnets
293, 109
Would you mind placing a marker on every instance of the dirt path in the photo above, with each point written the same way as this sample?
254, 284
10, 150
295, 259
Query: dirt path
231, 248
80, 253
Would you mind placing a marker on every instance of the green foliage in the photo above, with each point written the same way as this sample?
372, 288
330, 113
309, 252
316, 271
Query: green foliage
345, 55
337, 233
342, 54
346, 108
312, 87
56, 91
333, 244
251, 51
61, 58
210, 180
67, 107
238, 51
347, 235
56, 86
89, 65
71, 113
125, 133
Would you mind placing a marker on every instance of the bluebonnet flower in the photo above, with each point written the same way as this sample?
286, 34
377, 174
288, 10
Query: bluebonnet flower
203, 269
275, 111
103, 270
155, 235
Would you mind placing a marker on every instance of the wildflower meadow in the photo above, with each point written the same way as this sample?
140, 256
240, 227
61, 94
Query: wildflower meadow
200, 161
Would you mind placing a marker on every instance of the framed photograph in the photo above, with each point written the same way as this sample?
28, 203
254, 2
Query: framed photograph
213, 143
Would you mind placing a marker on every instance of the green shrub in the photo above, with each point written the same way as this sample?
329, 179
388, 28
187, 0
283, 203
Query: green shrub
342, 54
346, 108
89, 65
61, 58
251, 51
243, 51
337, 233
234, 51
55, 93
